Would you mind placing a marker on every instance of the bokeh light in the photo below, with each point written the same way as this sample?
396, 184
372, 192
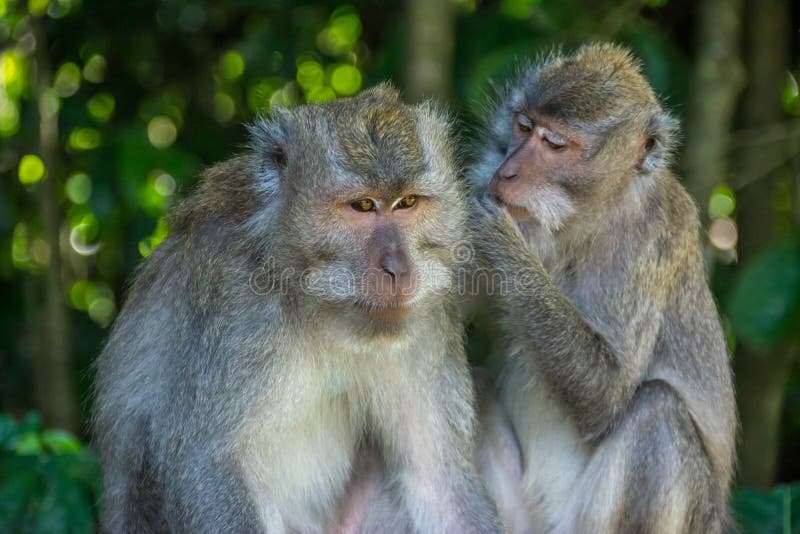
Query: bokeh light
224, 107
84, 138
37, 8
19, 247
341, 33
346, 80
320, 94
82, 236
149, 244
96, 298
9, 115
722, 202
101, 106
259, 93
164, 184
723, 234
95, 69
31, 169
310, 75
12, 72
161, 131
78, 188
231, 65
67, 80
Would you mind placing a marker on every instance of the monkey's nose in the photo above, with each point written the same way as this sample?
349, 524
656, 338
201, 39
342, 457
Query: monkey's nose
394, 264
504, 174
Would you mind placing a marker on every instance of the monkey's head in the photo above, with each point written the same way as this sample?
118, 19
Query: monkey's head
573, 132
360, 197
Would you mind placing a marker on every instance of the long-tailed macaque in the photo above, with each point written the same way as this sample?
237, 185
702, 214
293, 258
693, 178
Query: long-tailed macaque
298, 315
615, 375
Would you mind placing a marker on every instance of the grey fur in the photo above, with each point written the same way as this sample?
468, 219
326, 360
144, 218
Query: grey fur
224, 406
616, 375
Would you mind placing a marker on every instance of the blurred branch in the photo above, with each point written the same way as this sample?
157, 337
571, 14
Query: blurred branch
761, 376
52, 362
786, 135
716, 84
429, 60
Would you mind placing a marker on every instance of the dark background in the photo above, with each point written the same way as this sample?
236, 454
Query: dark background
109, 109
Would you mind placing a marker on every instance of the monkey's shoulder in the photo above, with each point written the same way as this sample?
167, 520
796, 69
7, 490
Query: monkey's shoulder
225, 193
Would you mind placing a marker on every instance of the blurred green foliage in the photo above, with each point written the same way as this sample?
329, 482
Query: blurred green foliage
764, 306
49, 483
774, 512
145, 93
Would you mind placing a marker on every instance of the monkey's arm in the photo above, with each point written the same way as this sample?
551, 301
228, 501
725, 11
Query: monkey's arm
595, 375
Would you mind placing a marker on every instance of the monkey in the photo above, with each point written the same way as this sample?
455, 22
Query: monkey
370, 506
297, 320
614, 372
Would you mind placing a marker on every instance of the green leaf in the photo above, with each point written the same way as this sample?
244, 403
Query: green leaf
773, 512
67, 504
59, 441
28, 443
20, 486
8, 431
765, 302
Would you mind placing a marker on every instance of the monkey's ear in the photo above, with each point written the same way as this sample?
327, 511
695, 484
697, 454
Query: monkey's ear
268, 138
658, 142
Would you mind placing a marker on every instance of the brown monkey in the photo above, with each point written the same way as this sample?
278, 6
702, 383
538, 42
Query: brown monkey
616, 376
298, 313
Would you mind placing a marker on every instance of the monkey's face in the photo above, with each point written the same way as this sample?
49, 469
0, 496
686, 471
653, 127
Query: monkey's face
368, 207
541, 174
376, 234
573, 133
379, 249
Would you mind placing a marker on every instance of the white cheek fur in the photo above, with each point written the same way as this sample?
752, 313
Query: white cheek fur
551, 206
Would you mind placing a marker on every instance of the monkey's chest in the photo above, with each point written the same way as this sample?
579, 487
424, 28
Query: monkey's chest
299, 453
553, 453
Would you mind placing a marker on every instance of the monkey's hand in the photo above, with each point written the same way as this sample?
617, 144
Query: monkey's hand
498, 240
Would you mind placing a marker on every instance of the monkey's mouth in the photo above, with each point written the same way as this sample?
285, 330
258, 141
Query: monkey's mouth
390, 313
518, 213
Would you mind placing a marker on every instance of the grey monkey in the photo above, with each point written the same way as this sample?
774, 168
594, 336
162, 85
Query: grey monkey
615, 374
298, 315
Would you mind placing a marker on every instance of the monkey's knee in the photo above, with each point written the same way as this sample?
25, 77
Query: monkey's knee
656, 470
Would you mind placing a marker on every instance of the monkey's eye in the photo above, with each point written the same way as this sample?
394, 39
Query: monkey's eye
363, 204
554, 144
524, 124
406, 202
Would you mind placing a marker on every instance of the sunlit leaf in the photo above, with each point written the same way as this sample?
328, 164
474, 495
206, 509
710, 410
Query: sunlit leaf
60, 442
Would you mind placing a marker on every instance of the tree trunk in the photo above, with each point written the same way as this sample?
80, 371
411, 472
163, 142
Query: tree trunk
429, 53
716, 84
761, 377
52, 362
